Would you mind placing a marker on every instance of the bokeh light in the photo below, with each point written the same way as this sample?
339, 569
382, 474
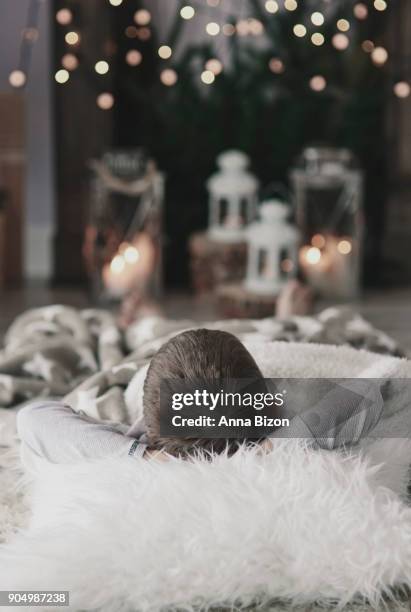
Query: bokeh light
271, 6
317, 39
379, 56
187, 12
168, 77
133, 57
101, 67
402, 89
299, 30
317, 18
276, 65
212, 28
62, 76
72, 38
69, 61
207, 77
105, 101
64, 16
340, 41
142, 17
318, 83
165, 52
17, 78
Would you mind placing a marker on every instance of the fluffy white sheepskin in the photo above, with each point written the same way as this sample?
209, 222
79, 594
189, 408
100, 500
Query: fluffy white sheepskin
138, 535
129, 534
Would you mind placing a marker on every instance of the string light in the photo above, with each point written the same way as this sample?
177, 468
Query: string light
214, 65
228, 29
142, 17
168, 77
187, 12
17, 78
344, 247
271, 6
131, 32
62, 76
165, 52
144, 33
317, 39
255, 26
343, 25
317, 18
105, 101
290, 5
72, 38
276, 65
133, 57
242, 27
402, 89
340, 41
64, 16
361, 11
212, 28
207, 77
101, 67
379, 56
69, 61
318, 83
380, 5
299, 30
367, 46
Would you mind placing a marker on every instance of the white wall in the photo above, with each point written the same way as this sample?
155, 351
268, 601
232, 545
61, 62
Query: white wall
40, 199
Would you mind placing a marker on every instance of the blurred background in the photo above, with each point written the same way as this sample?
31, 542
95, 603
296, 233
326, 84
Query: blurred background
198, 154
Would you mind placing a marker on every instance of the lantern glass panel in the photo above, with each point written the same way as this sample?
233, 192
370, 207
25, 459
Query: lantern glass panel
223, 210
328, 193
122, 244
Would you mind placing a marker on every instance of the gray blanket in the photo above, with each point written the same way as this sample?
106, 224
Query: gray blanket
58, 351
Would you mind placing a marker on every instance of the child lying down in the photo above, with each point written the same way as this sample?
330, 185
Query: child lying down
51, 431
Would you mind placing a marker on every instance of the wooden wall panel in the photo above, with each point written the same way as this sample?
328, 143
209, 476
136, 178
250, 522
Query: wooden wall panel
83, 131
12, 180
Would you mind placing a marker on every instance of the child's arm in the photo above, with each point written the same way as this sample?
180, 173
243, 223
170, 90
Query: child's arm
52, 431
343, 417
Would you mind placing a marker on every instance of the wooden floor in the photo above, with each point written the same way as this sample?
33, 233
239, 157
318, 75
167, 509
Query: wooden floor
389, 310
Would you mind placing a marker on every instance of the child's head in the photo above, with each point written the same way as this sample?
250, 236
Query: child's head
195, 355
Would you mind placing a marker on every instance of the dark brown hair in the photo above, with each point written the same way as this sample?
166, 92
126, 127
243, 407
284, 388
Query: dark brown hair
195, 355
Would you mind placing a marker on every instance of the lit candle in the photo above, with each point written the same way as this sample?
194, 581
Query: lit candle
328, 267
130, 267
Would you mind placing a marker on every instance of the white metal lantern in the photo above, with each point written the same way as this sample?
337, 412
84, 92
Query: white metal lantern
272, 250
232, 198
328, 191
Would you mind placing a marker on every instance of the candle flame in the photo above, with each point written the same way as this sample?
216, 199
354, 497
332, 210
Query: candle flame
131, 255
117, 264
313, 255
344, 247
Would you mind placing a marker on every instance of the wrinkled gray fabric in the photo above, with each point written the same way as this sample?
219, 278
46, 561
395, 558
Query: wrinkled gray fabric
58, 351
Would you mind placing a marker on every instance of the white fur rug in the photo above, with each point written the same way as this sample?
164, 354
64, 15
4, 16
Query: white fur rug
293, 525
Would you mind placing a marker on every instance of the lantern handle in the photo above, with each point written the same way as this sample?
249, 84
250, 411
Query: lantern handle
273, 189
